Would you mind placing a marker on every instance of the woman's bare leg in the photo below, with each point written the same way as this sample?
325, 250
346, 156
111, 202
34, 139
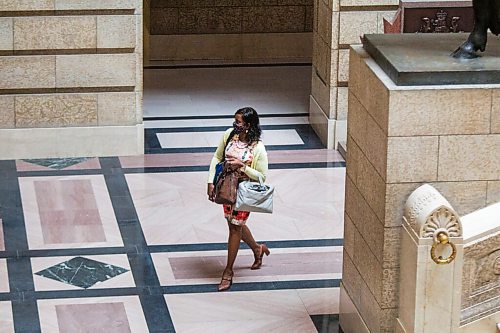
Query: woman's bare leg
233, 245
249, 240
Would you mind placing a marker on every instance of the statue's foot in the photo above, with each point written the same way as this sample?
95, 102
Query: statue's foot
465, 51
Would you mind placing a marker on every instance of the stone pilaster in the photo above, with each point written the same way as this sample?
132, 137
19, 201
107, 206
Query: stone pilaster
338, 24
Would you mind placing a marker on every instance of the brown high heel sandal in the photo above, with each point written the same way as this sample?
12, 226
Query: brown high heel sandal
258, 258
226, 282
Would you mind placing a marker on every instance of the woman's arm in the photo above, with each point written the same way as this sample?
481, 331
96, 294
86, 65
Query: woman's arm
218, 156
259, 164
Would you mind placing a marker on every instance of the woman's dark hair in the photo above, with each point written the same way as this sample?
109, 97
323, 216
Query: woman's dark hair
251, 117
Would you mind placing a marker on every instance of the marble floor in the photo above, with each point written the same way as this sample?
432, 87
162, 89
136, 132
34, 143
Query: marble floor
131, 244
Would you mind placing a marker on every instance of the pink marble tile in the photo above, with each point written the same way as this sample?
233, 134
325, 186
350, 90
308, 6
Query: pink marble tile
68, 212
25, 166
69, 202
85, 165
201, 159
169, 206
103, 317
6, 318
275, 264
4, 277
92, 314
2, 243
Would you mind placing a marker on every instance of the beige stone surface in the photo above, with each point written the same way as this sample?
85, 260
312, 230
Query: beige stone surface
320, 123
376, 146
391, 247
333, 69
368, 266
469, 157
367, 3
7, 115
413, 159
324, 28
26, 5
116, 31
350, 319
64, 110
139, 107
96, 4
328, 22
27, 72
352, 158
356, 121
356, 67
266, 47
270, 46
395, 197
343, 72
355, 24
370, 138
322, 56
439, 112
67, 142
465, 197
493, 193
54, 32
371, 185
365, 220
351, 279
375, 96
6, 33
368, 88
117, 109
96, 70
349, 235
388, 16
342, 104
321, 92
495, 112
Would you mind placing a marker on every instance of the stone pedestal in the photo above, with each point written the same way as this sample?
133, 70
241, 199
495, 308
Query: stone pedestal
400, 137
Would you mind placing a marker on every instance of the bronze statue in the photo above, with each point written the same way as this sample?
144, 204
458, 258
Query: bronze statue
486, 15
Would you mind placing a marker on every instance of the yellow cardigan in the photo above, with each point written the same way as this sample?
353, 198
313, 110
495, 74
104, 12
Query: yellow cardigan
257, 168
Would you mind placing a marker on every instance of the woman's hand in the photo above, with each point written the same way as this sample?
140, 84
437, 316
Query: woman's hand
234, 163
210, 191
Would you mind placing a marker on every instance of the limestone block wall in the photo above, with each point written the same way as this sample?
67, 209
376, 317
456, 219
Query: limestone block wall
231, 31
338, 24
70, 78
399, 138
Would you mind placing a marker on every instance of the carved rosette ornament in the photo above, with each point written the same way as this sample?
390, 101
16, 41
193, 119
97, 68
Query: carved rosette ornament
441, 220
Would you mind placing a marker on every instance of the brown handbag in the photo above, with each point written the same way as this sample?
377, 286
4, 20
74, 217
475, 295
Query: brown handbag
226, 187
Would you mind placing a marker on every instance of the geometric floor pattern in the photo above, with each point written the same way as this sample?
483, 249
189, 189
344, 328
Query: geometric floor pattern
131, 244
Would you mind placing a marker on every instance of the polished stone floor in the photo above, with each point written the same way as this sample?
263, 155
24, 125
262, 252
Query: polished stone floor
131, 244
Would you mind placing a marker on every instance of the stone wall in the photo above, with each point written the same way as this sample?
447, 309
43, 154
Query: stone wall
71, 78
232, 31
338, 24
398, 139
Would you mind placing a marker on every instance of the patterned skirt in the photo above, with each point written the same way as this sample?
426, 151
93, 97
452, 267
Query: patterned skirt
235, 217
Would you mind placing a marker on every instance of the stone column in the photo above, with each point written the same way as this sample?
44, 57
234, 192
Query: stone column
398, 139
338, 24
71, 78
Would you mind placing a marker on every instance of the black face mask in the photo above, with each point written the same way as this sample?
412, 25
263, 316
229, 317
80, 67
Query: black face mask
238, 128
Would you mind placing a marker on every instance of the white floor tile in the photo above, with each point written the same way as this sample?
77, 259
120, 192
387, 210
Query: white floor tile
212, 139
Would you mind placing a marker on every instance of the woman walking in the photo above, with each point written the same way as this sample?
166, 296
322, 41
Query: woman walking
244, 153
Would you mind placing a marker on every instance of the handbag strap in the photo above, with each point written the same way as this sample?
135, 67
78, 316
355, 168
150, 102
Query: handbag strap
229, 138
